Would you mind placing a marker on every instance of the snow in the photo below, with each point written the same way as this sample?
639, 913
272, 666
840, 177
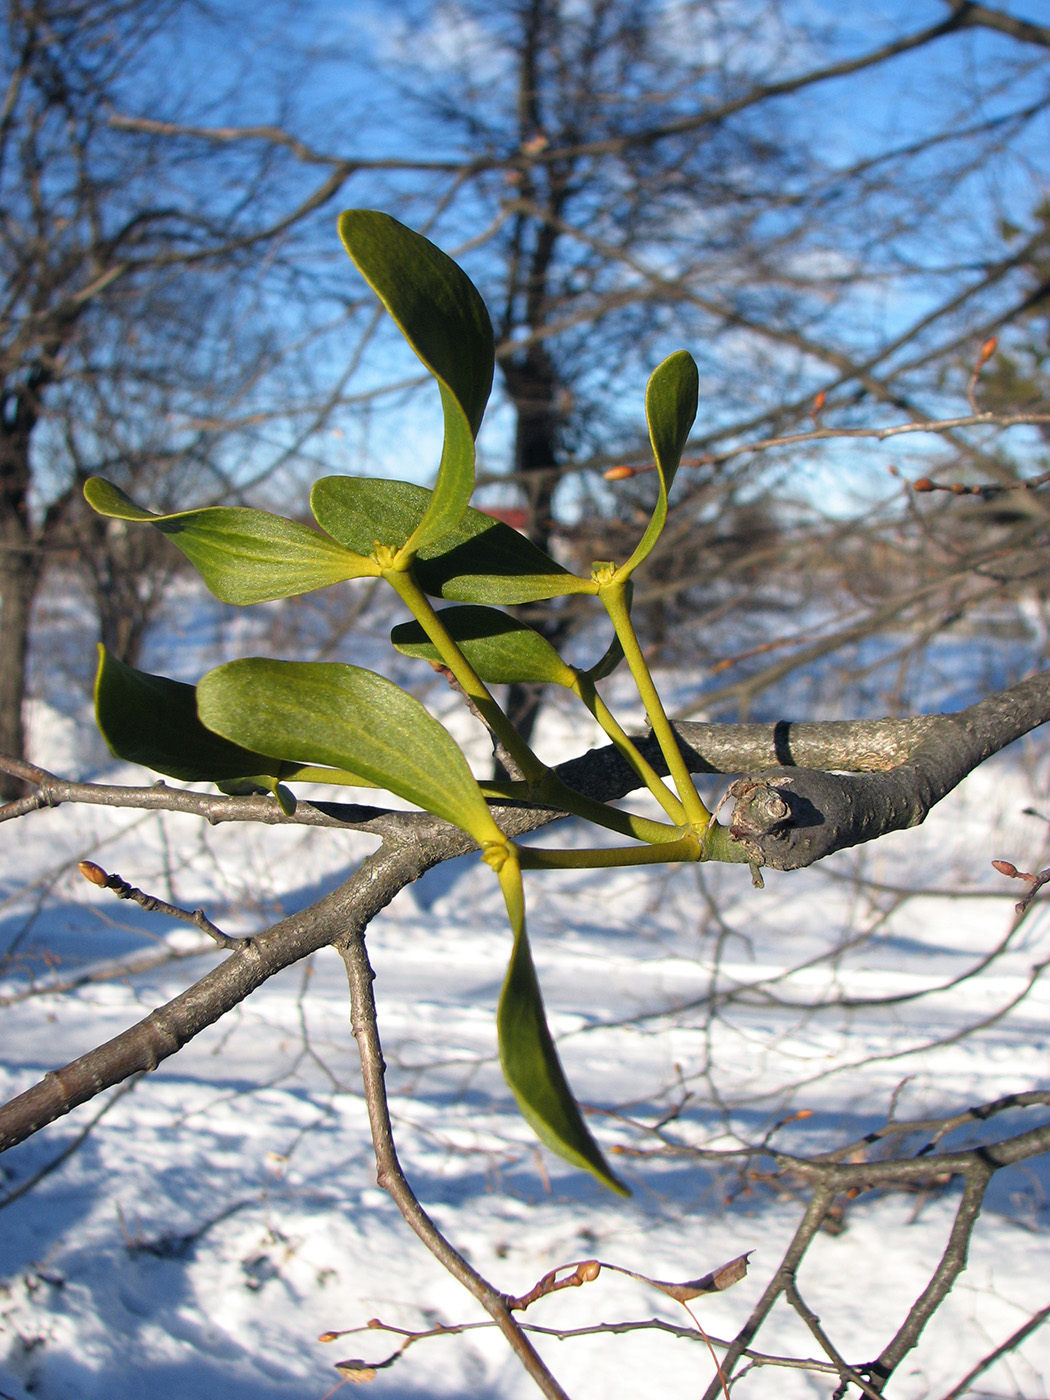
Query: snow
223, 1212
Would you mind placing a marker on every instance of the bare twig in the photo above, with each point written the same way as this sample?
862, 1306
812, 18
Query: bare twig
1012, 1342
95, 875
392, 1179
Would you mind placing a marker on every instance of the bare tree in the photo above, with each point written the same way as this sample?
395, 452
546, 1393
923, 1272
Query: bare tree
135, 329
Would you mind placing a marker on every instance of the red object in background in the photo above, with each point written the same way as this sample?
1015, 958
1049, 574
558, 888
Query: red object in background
517, 517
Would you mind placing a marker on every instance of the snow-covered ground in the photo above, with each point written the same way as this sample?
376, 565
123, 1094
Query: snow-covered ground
222, 1213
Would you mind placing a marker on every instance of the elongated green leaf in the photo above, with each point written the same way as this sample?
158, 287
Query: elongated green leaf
153, 721
481, 561
499, 647
346, 717
530, 1062
670, 407
440, 313
433, 302
244, 556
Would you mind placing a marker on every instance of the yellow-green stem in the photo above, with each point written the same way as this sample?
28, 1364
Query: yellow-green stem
543, 786
552, 792
614, 599
688, 848
584, 689
404, 584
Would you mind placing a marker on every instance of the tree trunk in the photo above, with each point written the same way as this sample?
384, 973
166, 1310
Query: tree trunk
19, 569
533, 387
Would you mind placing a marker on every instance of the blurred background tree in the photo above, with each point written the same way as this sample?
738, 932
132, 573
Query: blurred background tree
825, 207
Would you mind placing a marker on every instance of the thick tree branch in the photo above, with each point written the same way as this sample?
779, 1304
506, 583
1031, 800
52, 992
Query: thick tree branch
788, 821
782, 819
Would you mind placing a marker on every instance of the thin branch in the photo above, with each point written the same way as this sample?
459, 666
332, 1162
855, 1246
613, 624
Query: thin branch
807, 1228
392, 1179
812, 1321
1012, 1342
949, 1267
95, 875
894, 430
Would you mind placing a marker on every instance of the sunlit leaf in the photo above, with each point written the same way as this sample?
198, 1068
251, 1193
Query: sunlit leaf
244, 556
670, 407
431, 299
530, 1062
482, 560
153, 721
346, 717
442, 316
500, 648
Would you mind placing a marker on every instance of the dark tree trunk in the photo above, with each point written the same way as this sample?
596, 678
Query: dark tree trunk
20, 561
532, 385
18, 581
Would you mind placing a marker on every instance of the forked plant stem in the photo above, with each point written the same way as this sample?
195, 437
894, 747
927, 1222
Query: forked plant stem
614, 597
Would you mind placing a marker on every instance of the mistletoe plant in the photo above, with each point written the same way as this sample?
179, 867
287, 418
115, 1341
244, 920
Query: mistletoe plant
265, 723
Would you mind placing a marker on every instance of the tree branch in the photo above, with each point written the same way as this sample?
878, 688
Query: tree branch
782, 819
789, 821
392, 1179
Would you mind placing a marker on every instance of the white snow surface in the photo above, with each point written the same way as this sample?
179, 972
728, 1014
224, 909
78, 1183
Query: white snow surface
223, 1212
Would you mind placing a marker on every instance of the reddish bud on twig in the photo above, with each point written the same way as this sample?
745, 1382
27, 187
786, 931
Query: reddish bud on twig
923, 484
818, 407
1005, 867
619, 473
94, 873
988, 349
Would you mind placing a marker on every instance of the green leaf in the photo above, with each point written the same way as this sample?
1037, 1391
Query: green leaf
346, 717
481, 560
434, 303
499, 647
671, 398
530, 1061
153, 721
244, 556
485, 561
442, 316
361, 512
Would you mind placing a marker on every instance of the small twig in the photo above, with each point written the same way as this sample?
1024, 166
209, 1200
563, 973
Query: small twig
1013, 1341
505, 759
1035, 882
812, 1321
986, 491
392, 1179
941, 425
951, 1264
805, 1233
197, 917
562, 1334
